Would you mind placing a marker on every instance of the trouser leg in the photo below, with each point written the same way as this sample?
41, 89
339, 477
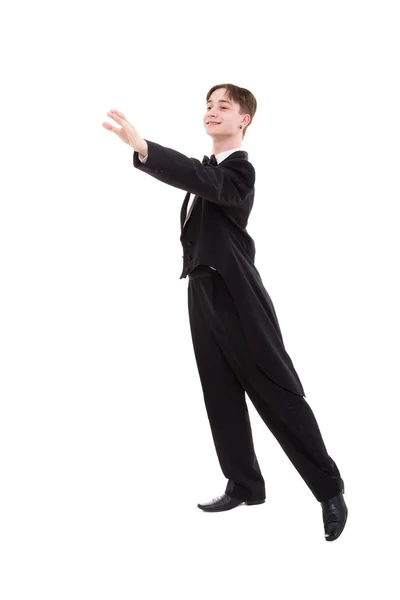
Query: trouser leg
225, 402
286, 414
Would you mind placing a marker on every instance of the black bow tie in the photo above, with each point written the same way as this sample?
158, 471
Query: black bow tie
209, 161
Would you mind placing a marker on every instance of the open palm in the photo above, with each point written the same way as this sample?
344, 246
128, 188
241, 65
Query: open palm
127, 133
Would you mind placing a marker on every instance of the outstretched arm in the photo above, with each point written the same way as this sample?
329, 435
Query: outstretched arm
227, 185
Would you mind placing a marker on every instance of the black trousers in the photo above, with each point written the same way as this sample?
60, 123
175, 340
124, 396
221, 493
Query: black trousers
227, 370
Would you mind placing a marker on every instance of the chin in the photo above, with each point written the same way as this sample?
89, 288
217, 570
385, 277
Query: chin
210, 132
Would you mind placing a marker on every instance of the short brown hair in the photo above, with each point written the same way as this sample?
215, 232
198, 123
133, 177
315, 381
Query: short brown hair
245, 99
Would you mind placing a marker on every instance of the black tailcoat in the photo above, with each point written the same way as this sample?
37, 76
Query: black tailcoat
215, 234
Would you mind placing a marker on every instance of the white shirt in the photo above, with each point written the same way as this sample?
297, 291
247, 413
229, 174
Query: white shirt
219, 158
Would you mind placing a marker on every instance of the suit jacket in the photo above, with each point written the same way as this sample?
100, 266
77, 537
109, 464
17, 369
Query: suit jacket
216, 234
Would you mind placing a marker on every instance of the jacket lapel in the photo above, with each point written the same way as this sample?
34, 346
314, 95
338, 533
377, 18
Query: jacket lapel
190, 210
184, 209
184, 216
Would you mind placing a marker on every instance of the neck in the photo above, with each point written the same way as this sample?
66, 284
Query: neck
227, 144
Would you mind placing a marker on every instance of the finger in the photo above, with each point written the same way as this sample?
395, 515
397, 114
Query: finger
110, 127
119, 114
118, 119
113, 116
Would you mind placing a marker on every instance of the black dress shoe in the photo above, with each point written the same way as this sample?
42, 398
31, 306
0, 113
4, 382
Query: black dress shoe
225, 502
334, 514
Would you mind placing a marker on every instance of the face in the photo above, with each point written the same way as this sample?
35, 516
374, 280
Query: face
225, 112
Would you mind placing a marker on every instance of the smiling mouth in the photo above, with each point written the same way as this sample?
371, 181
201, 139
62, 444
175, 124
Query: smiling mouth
213, 123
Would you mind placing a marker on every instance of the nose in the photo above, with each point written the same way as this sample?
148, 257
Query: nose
211, 116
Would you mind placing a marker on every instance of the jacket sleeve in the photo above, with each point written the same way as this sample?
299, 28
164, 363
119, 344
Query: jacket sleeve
227, 184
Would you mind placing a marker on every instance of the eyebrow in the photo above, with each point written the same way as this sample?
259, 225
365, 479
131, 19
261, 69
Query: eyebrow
220, 101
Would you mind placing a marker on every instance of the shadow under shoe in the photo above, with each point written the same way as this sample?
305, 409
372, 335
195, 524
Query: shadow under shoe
226, 502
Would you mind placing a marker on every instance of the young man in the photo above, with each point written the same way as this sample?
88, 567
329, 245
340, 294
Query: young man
236, 336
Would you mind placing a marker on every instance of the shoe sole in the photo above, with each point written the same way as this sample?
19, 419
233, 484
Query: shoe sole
222, 509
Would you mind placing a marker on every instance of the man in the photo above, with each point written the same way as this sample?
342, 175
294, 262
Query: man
236, 336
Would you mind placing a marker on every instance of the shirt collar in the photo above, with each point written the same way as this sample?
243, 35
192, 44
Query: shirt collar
222, 155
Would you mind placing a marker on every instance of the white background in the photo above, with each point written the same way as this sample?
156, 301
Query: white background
105, 446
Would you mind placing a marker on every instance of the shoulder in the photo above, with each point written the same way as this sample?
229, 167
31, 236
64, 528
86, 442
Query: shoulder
241, 168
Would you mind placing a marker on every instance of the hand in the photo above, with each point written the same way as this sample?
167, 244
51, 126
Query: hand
128, 133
